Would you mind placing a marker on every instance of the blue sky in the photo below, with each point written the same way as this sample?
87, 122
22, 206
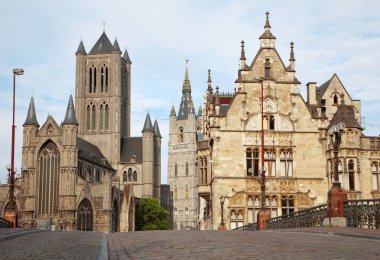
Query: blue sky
330, 37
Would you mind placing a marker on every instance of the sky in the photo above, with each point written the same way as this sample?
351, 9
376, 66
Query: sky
42, 37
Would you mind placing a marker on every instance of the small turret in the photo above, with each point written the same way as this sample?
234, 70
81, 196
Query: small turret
156, 129
126, 56
70, 118
199, 111
148, 124
81, 49
242, 57
217, 101
115, 47
31, 118
267, 39
292, 59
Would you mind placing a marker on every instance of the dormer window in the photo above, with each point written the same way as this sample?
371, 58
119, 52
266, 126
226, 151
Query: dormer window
267, 68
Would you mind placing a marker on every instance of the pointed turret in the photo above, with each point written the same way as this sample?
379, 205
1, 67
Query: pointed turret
81, 49
148, 124
31, 119
267, 39
115, 47
292, 59
186, 107
217, 101
70, 118
172, 111
126, 56
103, 45
200, 110
209, 88
156, 129
242, 56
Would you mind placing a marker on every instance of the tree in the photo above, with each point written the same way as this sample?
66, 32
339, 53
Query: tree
150, 216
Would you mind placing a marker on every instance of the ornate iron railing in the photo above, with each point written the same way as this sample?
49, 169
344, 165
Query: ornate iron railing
312, 217
362, 213
4, 223
249, 227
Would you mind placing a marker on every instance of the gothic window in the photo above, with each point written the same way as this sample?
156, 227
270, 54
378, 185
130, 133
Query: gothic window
80, 169
88, 115
186, 191
101, 111
271, 123
125, 176
270, 162
134, 176
267, 68
252, 156
175, 192
175, 169
286, 163
351, 175
237, 219
180, 137
93, 117
94, 85
187, 168
130, 174
253, 205
271, 204
287, 204
104, 78
335, 99
106, 116
92, 79
85, 216
48, 179
375, 176
97, 174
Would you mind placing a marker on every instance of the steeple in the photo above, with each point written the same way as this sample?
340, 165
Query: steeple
81, 49
267, 39
172, 112
292, 59
148, 124
126, 56
200, 110
115, 47
156, 129
102, 46
186, 107
70, 118
209, 88
217, 100
242, 56
31, 118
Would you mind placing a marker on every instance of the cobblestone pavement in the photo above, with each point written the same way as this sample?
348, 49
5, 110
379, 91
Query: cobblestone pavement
311, 243
323, 243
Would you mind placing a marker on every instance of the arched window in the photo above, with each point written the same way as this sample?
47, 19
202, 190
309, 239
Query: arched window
271, 123
125, 176
187, 168
106, 116
375, 176
48, 179
129, 174
134, 176
351, 174
267, 68
252, 156
106, 82
88, 119
101, 117
85, 216
335, 99
93, 117
90, 80
102, 77
94, 86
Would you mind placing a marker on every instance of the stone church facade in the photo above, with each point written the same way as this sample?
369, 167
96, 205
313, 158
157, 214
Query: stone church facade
298, 151
182, 171
88, 172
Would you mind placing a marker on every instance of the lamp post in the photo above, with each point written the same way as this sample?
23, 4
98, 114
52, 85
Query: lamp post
10, 213
337, 195
222, 226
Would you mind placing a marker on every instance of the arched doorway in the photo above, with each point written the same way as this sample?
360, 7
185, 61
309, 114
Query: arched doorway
85, 216
115, 217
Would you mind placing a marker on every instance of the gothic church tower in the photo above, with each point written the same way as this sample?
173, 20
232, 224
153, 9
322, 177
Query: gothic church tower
182, 176
103, 87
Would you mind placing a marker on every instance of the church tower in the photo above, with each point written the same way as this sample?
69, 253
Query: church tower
182, 176
102, 100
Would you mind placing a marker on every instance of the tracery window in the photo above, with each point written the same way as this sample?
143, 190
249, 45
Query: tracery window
270, 162
253, 206
375, 176
104, 78
92, 79
252, 157
104, 116
135, 176
129, 174
287, 204
85, 216
125, 176
271, 204
236, 219
286, 163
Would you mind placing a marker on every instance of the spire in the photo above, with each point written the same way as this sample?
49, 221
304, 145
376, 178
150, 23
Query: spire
126, 56
172, 112
242, 56
115, 47
148, 124
186, 107
31, 118
70, 118
209, 88
103, 45
267, 39
200, 110
81, 49
267, 24
209, 80
156, 129
292, 59
186, 81
217, 100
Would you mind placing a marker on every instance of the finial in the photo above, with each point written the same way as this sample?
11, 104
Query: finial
242, 55
291, 52
104, 25
217, 101
187, 61
267, 24
209, 76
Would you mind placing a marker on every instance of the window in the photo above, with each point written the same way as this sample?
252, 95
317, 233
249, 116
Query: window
237, 219
106, 116
270, 162
351, 174
134, 176
335, 99
253, 205
340, 172
180, 137
175, 192
287, 204
375, 176
104, 79
101, 117
89, 171
265, 123
92, 79
203, 169
271, 204
88, 115
252, 156
267, 68
93, 117
187, 168
129, 174
286, 163
187, 192
175, 169
97, 174
271, 123
80, 169
125, 176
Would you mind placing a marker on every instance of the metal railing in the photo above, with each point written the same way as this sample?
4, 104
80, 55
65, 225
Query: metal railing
312, 217
249, 227
362, 213
4, 223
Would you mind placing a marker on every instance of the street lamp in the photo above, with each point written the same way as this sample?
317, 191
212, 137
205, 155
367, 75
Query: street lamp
337, 195
11, 207
222, 226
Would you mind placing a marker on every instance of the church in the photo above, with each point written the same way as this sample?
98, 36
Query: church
87, 173
298, 151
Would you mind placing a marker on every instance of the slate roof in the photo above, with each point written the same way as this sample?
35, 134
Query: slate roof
126, 56
345, 114
131, 146
148, 127
103, 45
31, 118
81, 49
91, 152
186, 107
156, 129
70, 118
115, 46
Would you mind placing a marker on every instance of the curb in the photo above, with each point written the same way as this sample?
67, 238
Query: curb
18, 234
103, 249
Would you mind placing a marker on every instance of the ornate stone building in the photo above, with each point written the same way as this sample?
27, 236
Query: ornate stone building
298, 151
182, 174
88, 172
